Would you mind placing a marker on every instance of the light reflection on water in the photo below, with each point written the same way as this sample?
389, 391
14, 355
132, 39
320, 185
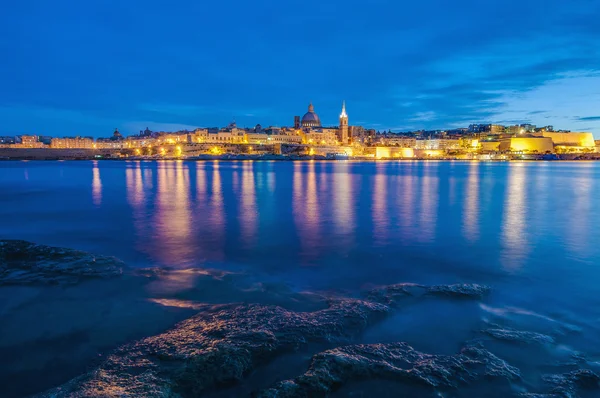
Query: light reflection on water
407, 220
526, 229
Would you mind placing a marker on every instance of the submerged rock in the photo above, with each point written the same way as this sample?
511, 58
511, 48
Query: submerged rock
519, 336
23, 263
567, 384
217, 348
331, 369
391, 293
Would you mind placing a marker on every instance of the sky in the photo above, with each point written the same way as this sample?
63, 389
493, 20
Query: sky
87, 67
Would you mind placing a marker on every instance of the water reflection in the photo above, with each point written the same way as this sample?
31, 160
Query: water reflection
173, 243
136, 198
429, 204
578, 216
343, 204
306, 209
380, 215
513, 224
135, 186
216, 213
248, 212
96, 185
471, 204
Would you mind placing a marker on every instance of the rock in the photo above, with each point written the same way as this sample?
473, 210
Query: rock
461, 290
519, 336
216, 348
25, 263
390, 294
567, 384
397, 361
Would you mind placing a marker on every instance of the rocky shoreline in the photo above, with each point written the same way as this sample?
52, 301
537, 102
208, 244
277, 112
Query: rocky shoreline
224, 344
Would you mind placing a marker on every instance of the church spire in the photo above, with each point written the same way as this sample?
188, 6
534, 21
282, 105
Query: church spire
344, 110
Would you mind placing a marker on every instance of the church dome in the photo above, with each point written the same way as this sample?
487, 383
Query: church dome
310, 118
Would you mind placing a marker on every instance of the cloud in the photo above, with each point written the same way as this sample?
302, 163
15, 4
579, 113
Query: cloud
589, 119
427, 64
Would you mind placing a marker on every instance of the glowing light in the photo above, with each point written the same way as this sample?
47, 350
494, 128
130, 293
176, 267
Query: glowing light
96, 185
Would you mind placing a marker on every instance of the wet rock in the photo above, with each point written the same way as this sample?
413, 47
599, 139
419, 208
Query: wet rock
331, 369
216, 348
519, 336
25, 263
568, 384
391, 293
461, 290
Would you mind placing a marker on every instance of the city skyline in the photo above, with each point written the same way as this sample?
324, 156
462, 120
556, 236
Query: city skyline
84, 69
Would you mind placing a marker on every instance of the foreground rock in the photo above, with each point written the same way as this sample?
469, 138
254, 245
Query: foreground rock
567, 385
399, 362
518, 336
389, 294
216, 348
23, 263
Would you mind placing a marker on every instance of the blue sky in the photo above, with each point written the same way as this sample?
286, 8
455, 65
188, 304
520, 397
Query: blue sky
86, 67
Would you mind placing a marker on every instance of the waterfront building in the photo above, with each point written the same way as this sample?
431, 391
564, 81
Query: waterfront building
488, 146
394, 152
28, 141
72, 143
256, 138
323, 136
310, 118
479, 128
343, 130
199, 136
528, 145
571, 142
438, 144
294, 139
117, 136
401, 140
497, 129
528, 128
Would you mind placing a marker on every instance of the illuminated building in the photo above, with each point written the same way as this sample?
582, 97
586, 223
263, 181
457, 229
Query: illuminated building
322, 136
285, 139
403, 141
69, 143
528, 145
497, 129
489, 146
310, 118
28, 141
435, 144
117, 136
572, 142
393, 152
199, 136
343, 125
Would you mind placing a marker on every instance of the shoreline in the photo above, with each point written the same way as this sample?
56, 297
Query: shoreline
283, 158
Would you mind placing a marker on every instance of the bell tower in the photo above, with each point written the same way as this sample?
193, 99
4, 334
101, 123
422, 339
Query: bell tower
344, 125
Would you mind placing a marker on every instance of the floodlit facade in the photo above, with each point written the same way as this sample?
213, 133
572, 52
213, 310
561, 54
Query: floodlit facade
576, 142
68, 143
393, 152
528, 145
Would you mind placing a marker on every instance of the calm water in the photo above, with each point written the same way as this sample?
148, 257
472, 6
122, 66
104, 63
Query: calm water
529, 230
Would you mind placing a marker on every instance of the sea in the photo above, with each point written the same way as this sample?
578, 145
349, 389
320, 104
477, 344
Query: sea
528, 230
